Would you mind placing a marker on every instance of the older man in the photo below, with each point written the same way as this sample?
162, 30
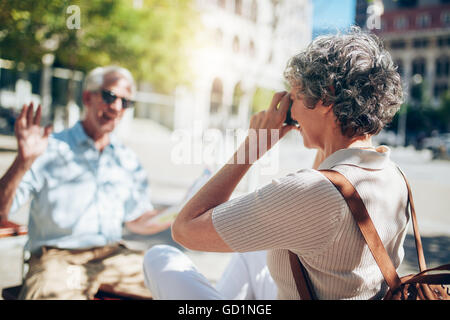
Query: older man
83, 186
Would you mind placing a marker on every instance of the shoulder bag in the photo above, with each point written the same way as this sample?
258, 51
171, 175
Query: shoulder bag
421, 286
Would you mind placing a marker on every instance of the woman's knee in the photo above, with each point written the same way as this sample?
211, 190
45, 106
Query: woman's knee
165, 259
156, 258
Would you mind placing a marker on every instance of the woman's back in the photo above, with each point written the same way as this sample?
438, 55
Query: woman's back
340, 265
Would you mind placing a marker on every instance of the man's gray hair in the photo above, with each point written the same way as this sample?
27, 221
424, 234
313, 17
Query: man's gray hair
354, 73
95, 78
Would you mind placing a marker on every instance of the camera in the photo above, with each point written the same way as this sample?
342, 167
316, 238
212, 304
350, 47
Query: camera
289, 121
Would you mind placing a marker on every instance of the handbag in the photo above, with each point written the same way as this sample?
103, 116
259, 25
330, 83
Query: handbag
421, 286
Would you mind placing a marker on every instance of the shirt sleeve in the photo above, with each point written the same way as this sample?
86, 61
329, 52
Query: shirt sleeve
298, 212
140, 195
29, 186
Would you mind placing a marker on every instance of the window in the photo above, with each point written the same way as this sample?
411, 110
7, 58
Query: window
443, 42
423, 20
236, 44
443, 67
216, 96
237, 96
59, 89
254, 11
439, 89
401, 23
407, 3
398, 44
238, 7
420, 43
419, 66
35, 78
416, 92
445, 18
400, 69
8, 78
223, 4
252, 49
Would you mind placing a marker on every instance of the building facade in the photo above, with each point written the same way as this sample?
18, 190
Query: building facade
241, 51
417, 34
244, 47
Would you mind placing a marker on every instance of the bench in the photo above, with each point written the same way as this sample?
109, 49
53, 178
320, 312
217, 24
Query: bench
11, 229
105, 291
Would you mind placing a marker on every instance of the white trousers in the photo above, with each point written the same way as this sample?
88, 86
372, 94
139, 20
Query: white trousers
171, 275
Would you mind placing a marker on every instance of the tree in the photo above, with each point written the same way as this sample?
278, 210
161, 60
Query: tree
261, 99
151, 39
422, 119
444, 110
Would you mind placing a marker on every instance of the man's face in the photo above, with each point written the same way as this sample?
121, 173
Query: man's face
104, 116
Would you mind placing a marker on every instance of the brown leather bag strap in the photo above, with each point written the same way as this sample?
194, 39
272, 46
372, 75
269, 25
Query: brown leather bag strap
304, 286
419, 247
362, 218
424, 277
444, 267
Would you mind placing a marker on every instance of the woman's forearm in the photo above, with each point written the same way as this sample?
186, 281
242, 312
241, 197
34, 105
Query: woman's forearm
193, 227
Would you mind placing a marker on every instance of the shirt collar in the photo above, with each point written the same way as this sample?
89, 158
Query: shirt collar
374, 159
80, 136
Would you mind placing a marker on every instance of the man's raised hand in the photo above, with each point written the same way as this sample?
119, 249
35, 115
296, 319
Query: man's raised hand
32, 139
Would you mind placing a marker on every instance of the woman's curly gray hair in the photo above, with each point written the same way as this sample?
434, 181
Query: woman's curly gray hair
354, 73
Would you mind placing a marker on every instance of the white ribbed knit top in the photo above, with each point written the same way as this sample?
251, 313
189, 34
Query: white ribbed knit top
303, 212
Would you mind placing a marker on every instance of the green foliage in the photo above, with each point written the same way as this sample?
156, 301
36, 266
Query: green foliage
152, 41
237, 95
444, 110
421, 117
261, 99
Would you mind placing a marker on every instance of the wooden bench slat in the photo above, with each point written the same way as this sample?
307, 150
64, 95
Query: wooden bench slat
11, 229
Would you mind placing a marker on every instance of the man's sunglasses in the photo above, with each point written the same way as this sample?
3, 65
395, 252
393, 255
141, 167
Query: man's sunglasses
109, 98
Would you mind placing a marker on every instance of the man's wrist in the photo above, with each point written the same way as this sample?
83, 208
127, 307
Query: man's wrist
23, 164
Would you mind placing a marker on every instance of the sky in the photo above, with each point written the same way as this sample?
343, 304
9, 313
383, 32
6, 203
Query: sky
330, 15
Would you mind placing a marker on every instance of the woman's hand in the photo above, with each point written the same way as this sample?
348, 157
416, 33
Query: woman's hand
267, 127
32, 140
193, 227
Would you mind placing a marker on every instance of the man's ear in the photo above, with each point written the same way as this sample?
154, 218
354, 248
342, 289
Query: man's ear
87, 97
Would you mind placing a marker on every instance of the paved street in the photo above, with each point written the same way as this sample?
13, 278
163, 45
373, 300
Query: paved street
430, 182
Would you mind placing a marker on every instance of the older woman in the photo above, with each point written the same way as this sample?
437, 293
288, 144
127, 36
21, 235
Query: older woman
345, 89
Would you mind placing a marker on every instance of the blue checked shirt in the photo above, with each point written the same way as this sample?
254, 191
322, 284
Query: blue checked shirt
80, 197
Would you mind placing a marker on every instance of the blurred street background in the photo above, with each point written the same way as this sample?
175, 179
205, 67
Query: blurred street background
209, 65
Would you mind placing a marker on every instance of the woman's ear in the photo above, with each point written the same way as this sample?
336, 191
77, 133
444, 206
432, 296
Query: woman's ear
325, 109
